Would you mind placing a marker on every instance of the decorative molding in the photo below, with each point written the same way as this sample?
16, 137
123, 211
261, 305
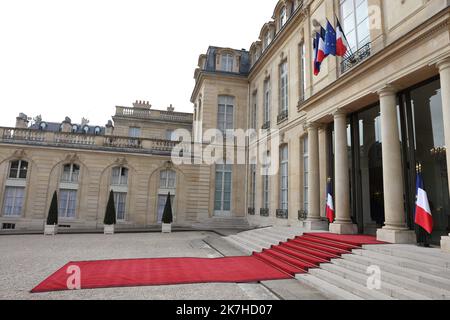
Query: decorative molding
121, 162
19, 154
72, 158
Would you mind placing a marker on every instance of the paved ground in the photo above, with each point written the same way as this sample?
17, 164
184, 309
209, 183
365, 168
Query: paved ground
26, 260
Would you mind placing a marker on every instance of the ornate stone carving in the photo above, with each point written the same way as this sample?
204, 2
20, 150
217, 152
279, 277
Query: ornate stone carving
72, 158
19, 154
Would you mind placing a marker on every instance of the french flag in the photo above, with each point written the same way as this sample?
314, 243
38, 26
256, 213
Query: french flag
319, 50
341, 41
424, 217
330, 202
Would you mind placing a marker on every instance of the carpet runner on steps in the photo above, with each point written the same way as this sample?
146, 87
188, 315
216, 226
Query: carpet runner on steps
283, 261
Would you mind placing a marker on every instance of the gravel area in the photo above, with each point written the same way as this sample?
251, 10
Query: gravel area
27, 260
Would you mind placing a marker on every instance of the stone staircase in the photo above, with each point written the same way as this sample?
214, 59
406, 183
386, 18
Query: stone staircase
217, 223
340, 270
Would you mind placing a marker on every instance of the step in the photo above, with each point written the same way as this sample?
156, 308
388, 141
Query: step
316, 253
250, 238
241, 246
285, 233
330, 243
406, 263
246, 244
417, 275
393, 250
296, 254
348, 285
290, 260
397, 280
387, 288
329, 290
321, 247
285, 267
269, 237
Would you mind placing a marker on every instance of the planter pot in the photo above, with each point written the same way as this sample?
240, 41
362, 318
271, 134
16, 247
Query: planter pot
166, 228
50, 230
109, 229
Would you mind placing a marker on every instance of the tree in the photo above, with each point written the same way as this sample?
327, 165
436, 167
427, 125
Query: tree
110, 215
52, 218
167, 217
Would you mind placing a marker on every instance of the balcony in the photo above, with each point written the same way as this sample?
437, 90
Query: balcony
282, 214
266, 126
356, 58
302, 215
251, 211
148, 114
85, 141
283, 116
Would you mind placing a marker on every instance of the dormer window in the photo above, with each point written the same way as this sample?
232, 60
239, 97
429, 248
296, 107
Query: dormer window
86, 129
283, 17
74, 128
267, 39
226, 62
42, 126
97, 131
18, 169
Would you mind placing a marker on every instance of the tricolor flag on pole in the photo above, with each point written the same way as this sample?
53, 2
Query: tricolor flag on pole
330, 202
424, 217
341, 40
319, 50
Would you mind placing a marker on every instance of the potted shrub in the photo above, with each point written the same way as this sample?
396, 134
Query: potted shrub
167, 217
51, 227
110, 215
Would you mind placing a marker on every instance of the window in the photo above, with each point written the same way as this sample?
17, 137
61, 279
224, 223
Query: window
266, 183
226, 63
134, 132
267, 39
253, 185
225, 115
305, 173
355, 22
223, 188
74, 128
162, 199
97, 131
284, 177
120, 176
18, 169
266, 101
67, 203
13, 202
42, 126
120, 199
170, 135
71, 173
167, 179
254, 116
85, 129
283, 17
284, 103
302, 73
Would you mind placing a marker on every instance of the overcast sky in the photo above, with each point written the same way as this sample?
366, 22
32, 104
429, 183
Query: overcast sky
81, 58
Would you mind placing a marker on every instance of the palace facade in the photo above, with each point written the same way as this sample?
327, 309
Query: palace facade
366, 123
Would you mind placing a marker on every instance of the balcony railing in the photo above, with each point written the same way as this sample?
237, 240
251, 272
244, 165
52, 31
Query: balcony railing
266, 126
302, 215
86, 141
282, 214
282, 116
354, 59
264, 212
145, 113
251, 211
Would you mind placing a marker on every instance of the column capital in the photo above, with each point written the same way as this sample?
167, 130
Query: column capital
443, 64
311, 126
388, 90
339, 113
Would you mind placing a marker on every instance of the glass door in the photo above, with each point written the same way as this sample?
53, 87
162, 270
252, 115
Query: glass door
222, 203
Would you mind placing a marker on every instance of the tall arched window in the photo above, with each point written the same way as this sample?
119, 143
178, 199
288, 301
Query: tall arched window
266, 182
119, 176
284, 177
167, 179
14, 195
119, 185
68, 189
167, 183
71, 173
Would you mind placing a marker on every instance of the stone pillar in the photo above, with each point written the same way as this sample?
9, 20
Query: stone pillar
66, 125
444, 71
343, 223
323, 163
313, 221
22, 121
395, 229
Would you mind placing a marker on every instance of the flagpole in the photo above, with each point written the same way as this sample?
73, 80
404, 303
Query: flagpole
339, 22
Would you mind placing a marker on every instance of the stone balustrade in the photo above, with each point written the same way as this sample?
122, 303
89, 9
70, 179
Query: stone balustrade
146, 113
80, 140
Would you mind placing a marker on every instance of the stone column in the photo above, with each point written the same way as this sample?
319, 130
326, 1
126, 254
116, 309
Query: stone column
395, 229
323, 163
444, 71
313, 221
343, 223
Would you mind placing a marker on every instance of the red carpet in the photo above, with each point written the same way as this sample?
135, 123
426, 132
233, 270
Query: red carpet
153, 272
282, 261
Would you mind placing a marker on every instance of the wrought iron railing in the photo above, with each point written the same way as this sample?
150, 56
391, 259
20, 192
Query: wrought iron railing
283, 116
251, 211
266, 126
282, 214
302, 215
264, 212
355, 58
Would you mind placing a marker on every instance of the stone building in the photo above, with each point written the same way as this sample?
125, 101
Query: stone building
365, 123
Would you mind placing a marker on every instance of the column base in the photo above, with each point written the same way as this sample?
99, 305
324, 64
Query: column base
315, 225
445, 244
396, 236
343, 228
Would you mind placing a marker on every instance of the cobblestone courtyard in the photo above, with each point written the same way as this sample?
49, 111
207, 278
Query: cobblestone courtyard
26, 260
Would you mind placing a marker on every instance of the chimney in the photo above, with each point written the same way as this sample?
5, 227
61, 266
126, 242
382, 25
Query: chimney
109, 128
22, 121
